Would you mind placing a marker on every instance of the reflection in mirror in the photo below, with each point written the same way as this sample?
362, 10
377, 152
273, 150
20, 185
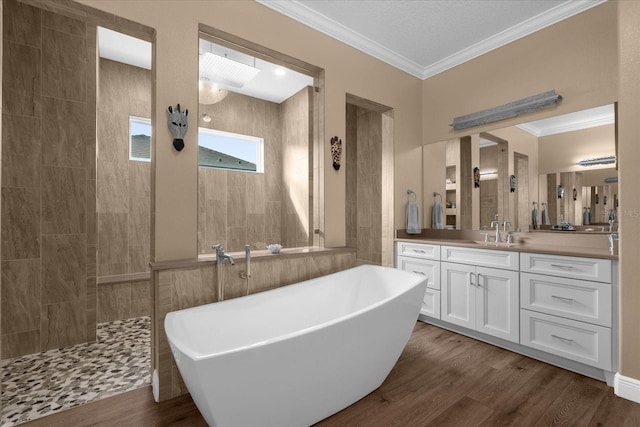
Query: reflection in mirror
538, 157
564, 142
255, 151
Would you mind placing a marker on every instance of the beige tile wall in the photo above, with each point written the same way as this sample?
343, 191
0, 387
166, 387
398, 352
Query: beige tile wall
180, 288
364, 183
238, 208
48, 176
123, 193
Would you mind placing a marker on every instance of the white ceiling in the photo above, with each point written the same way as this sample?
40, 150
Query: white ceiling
426, 37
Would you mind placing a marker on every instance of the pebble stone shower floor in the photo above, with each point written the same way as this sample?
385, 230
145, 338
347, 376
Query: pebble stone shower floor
41, 384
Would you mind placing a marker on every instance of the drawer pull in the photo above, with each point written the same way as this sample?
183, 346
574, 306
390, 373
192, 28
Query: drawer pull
563, 267
562, 298
479, 280
562, 338
419, 272
419, 251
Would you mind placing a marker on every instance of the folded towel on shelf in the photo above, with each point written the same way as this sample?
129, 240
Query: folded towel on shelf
437, 220
413, 218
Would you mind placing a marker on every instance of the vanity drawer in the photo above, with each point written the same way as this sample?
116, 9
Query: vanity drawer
481, 257
595, 269
570, 298
419, 250
427, 268
579, 341
431, 304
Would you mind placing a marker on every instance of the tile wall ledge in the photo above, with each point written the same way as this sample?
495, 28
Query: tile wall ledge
256, 256
124, 278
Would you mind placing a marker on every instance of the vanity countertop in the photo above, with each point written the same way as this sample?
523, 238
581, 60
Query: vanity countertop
524, 242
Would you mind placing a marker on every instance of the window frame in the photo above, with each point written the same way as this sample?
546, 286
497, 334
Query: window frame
144, 121
258, 141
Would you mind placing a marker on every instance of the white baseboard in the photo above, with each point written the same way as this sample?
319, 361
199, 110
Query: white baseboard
627, 387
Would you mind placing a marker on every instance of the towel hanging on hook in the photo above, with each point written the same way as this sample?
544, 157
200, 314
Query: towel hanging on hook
413, 214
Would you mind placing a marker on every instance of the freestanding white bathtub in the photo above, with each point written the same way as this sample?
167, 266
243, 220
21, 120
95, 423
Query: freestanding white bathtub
295, 355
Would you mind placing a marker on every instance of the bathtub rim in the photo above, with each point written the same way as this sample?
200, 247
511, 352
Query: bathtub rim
188, 351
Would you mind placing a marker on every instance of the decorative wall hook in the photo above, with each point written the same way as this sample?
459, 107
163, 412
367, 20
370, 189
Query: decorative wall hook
512, 183
178, 126
560, 191
575, 194
336, 151
476, 177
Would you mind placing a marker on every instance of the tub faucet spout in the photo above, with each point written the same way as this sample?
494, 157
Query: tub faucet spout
221, 256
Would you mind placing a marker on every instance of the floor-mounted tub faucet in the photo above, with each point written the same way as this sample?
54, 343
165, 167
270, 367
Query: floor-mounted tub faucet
246, 274
221, 256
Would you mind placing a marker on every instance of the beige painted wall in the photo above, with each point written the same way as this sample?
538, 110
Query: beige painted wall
577, 57
629, 154
346, 70
561, 152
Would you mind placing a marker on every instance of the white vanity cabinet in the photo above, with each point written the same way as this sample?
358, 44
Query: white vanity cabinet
485, 299
423, 259
566, 307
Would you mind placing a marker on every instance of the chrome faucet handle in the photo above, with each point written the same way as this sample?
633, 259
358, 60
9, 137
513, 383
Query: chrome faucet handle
486, 238
505, 224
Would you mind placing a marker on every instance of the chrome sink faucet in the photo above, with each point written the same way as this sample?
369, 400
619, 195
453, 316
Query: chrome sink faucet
612, 237
495, 223
221, 256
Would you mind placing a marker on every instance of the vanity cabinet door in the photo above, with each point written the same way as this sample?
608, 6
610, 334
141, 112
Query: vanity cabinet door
497, 303
458, 294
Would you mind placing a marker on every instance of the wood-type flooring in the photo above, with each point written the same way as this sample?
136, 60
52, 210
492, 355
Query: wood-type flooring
441, 379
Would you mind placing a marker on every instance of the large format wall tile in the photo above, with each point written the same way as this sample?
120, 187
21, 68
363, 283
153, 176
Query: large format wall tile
64, 269
63, 200
22, 23
113, 130
64, 129
63, 24
20, 151
63, 325
20, 343
64, 70
112, 243
20, 295
20, 223
21, 80
113, 187
114, 302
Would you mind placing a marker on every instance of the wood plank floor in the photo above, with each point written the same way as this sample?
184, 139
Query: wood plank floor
441, 379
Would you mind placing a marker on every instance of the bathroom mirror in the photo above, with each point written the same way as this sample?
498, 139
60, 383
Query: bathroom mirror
522, 164
255, 133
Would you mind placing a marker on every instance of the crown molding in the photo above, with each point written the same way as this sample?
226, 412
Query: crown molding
570, 126
307, 16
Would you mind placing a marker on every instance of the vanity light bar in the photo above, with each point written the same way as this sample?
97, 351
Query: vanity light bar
597, 161
507, 111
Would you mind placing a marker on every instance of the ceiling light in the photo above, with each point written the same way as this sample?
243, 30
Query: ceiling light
507, 111
209, 92
206, 118
607, 160
225, 71
280, 72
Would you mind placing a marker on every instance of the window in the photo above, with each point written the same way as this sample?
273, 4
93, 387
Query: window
225, 150
139, 139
